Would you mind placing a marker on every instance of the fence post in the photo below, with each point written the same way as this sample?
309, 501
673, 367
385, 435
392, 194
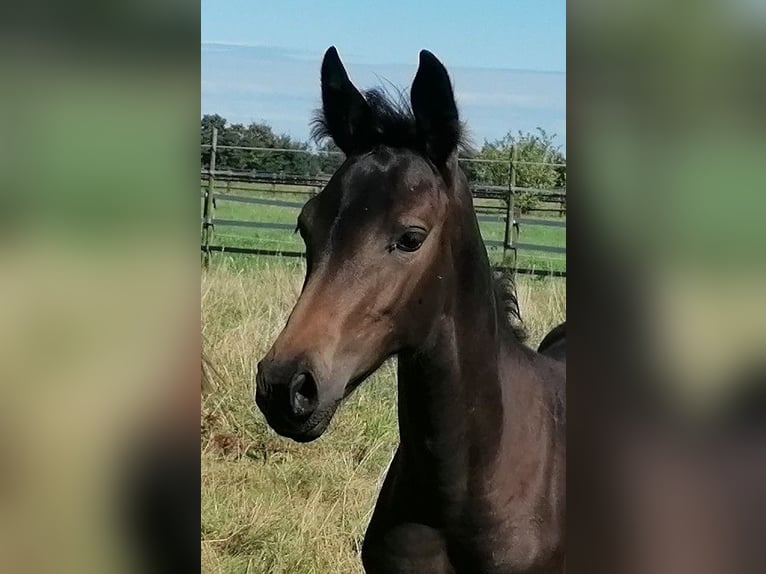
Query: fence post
207, 214
509, 211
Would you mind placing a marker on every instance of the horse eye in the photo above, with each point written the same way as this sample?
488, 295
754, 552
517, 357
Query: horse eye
410, 241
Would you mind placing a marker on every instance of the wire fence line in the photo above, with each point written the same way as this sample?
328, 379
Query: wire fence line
327, 153
217, 186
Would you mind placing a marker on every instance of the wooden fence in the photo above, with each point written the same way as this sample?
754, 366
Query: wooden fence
221, 186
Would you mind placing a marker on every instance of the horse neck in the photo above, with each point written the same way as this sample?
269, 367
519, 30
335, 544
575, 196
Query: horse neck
450, 395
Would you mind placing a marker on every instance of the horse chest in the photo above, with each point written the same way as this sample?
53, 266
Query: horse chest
516, 542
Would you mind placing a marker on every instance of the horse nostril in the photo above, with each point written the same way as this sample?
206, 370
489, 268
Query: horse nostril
303, 394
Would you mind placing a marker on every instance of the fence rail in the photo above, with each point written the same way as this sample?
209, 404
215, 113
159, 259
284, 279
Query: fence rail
318, 152
259, 201
297, 205
308, 185
322, 179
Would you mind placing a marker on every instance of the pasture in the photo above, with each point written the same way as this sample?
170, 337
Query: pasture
271, 505
284, 240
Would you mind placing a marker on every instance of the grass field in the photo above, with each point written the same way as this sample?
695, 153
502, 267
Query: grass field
284, 240
270, 505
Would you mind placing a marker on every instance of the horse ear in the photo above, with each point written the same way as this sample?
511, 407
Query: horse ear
346, 114
433, 105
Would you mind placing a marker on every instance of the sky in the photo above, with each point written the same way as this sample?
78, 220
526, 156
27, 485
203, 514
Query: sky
507, 58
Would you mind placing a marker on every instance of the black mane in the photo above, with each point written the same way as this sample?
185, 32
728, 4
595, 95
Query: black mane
394, 123
508, 303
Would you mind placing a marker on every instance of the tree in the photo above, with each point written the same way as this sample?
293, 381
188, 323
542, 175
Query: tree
537, 156
209, 121
330, 157
257, 135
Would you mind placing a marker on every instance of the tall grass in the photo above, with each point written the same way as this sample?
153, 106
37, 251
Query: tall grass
270, 505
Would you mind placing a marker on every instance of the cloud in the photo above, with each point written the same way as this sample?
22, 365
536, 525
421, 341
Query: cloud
281, 86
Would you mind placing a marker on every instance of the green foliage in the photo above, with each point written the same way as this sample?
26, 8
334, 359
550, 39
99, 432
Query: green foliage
330, 157
537, 148
260, 136
536, 152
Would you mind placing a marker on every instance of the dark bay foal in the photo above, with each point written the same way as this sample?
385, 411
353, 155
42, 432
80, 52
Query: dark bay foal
396, 266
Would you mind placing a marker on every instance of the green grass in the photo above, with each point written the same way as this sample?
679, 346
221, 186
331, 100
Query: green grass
271, 505
284, 240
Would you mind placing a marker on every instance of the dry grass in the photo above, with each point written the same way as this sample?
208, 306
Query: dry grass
270, 505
